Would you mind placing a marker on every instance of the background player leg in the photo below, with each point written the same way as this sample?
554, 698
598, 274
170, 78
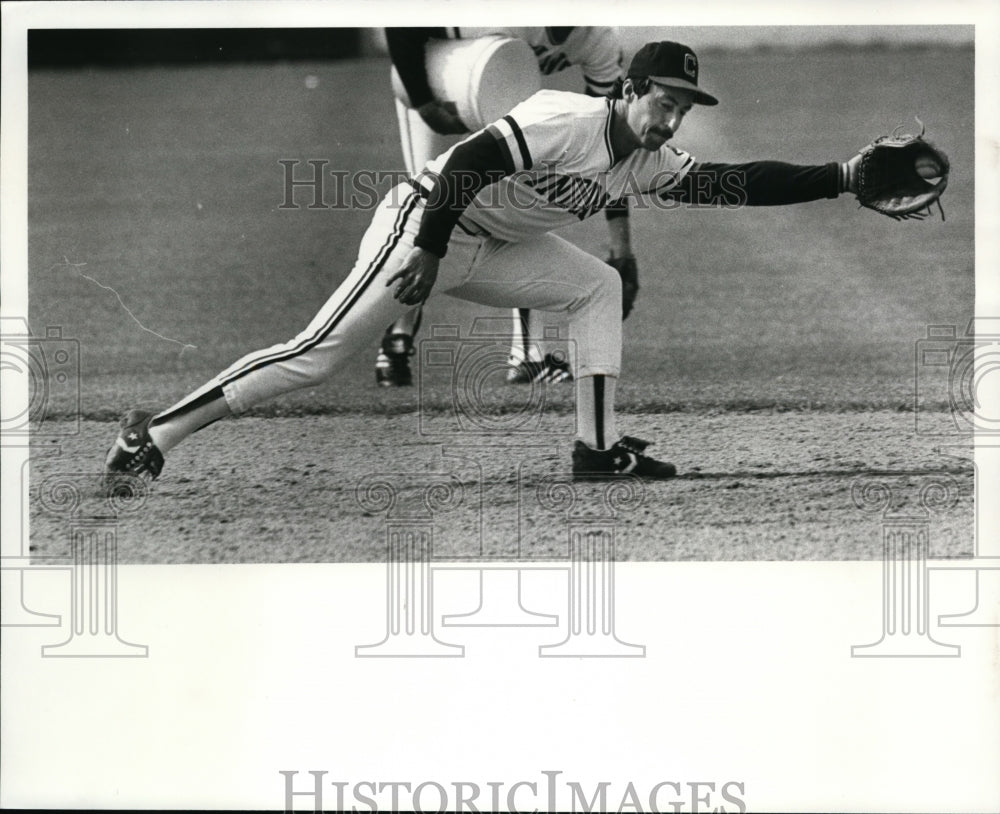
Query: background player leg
392, 365
525, 356
419, 144
530, 359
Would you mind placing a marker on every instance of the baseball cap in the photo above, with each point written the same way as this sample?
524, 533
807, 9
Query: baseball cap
670, 64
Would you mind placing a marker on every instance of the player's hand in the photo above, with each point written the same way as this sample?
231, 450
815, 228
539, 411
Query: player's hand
442, 118
416, 277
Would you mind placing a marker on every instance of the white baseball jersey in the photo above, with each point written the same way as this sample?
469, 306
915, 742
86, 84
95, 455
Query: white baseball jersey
559, 145
595, 49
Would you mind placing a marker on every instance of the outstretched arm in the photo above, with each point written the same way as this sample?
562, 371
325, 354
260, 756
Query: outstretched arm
900, 176
760, 183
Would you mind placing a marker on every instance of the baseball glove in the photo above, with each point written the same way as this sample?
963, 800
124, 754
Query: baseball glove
628, 270
901, 176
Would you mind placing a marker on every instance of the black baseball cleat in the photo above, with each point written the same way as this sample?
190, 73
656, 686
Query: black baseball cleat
392, 367
551, 369
624, 458
133, 452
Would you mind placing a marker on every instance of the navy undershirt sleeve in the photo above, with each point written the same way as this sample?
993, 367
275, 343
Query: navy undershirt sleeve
756, 183
406, 50
472, 165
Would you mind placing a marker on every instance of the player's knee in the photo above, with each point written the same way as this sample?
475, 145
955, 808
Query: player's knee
607, 287
613, 282
599, 290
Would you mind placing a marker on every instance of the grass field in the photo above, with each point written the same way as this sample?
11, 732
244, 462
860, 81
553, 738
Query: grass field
771, 353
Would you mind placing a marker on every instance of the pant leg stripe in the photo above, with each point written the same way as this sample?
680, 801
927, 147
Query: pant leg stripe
204, 396
599, 411
342, 309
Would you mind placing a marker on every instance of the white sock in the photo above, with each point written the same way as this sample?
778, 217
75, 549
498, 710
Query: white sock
523, 347
595, 411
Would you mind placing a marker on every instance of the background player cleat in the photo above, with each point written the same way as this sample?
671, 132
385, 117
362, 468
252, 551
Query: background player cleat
392, 367
550, 369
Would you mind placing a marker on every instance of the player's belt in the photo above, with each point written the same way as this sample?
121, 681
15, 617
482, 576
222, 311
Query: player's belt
471, 228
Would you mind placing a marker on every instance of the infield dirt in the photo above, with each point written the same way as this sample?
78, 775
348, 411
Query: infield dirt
782, 486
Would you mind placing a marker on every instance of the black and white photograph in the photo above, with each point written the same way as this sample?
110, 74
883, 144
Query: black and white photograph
405, 410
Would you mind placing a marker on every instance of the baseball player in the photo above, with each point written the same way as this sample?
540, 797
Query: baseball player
477, 224
598, 53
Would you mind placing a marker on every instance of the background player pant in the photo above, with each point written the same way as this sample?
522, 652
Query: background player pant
544, 272
420, 143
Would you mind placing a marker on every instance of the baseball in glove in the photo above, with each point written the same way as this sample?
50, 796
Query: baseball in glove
900, 176
628, 270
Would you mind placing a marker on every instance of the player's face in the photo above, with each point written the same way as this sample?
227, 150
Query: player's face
655, 117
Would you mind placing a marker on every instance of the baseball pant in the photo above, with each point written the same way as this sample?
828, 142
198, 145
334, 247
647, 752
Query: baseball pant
420, 144
544, 272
